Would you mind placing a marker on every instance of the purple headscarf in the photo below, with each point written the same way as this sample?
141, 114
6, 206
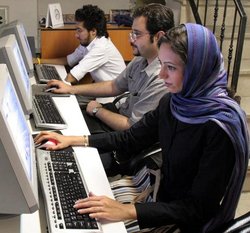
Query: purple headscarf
203, 98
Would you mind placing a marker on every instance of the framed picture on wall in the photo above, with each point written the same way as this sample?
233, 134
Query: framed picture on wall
54, 17
4, 17
69, 18
115, 12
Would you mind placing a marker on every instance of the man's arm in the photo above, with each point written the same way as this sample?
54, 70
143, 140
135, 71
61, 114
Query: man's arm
85, 80
71, 79
100, 89
115, 121
55, 61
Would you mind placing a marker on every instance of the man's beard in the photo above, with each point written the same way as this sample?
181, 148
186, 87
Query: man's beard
137, 53
84, 44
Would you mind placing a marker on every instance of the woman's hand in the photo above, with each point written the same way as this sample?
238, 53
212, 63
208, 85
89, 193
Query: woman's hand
104, 208
62, 141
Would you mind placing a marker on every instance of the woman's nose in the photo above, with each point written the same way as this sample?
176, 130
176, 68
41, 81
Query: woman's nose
163, 74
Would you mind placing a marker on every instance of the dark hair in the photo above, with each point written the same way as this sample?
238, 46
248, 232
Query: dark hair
92, 18
177, 39
159, 17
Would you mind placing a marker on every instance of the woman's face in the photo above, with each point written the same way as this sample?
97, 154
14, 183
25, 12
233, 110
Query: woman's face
172, 68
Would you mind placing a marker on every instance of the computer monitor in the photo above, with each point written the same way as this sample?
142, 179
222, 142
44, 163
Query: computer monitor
11, 56
17, 28
18, 175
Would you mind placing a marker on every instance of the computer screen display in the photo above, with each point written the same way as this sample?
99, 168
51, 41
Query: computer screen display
11, 56
17, 28
16, 122
18, 179
18, 58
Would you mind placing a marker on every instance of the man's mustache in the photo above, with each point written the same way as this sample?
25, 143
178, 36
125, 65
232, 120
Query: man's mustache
133, 45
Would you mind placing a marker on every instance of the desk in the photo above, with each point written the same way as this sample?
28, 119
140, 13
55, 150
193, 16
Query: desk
60, 42
90, 165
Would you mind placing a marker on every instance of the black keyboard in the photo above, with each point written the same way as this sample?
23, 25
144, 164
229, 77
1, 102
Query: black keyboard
46, 73
46, 114
62, 181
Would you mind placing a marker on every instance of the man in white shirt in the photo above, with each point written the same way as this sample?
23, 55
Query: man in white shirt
96, 53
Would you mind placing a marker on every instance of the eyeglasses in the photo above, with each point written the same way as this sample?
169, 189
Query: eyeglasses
135, 35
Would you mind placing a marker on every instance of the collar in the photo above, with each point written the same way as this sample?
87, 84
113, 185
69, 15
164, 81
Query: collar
152, 68
93, 42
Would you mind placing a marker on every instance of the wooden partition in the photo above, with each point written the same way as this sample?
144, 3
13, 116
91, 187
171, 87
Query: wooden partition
61, 41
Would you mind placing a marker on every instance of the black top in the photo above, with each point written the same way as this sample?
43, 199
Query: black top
198, 160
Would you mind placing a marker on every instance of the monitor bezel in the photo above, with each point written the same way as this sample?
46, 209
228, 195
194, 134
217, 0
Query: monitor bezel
8, 44
17, 28
17, 178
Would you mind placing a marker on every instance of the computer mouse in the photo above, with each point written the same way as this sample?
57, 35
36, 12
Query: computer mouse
47, 143
50, 89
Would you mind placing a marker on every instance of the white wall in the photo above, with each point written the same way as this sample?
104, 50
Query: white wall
29, 12
25, 11
69, 7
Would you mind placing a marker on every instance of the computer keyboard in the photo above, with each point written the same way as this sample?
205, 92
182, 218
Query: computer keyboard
46, 114
62, 185
46, 73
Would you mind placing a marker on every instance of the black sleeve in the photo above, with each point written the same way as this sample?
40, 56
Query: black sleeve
202, 200
140, 136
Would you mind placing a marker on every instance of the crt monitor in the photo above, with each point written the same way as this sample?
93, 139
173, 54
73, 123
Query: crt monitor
17, 28
11, 56
18, 175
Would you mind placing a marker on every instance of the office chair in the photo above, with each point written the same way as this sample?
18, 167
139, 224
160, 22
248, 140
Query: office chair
151, 157
119, 98
240, 224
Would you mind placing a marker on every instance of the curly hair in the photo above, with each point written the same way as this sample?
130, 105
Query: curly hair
92, 18
159, 17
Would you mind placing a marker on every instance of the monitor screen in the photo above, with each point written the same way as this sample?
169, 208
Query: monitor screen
18, 180
11, 56
17, 28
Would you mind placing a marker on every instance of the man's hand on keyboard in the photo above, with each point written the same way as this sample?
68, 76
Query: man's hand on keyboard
61, 87
104, 208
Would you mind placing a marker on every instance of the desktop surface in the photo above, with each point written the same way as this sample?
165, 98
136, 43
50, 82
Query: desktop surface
88, 161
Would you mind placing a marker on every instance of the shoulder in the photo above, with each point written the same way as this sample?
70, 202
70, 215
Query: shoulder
215, 134
165, 99
136, 65
137, 61
104, 42
99, 43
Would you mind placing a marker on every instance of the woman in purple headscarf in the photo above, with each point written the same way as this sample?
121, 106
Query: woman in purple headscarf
203, 135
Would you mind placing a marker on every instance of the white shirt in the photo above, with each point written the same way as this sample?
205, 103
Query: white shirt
101, 58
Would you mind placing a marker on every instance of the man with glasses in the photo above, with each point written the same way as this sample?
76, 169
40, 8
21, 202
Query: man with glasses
139, 79
96, 53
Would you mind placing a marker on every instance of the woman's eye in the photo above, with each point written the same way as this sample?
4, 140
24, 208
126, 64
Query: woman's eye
172, 68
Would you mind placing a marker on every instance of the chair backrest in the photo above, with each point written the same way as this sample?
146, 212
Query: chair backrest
227, 19
238, 225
